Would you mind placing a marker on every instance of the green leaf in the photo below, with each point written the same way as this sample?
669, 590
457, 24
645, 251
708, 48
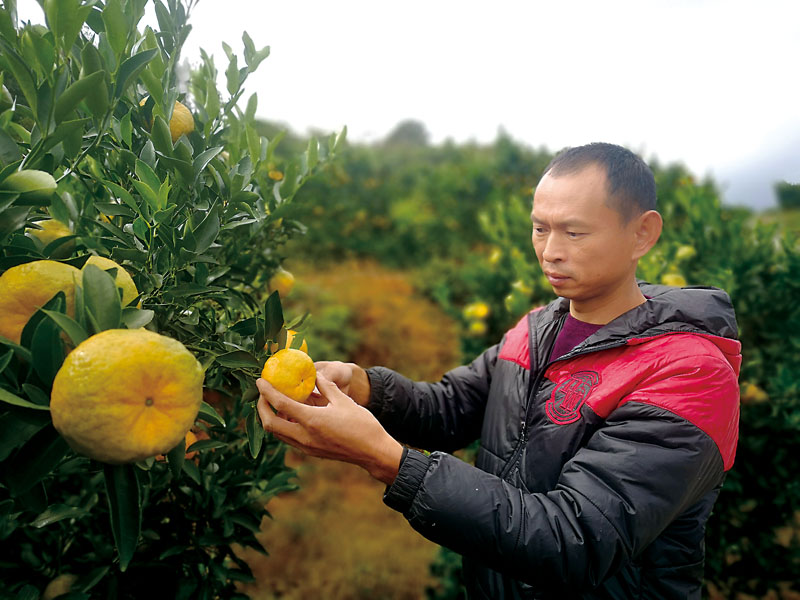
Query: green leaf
255, 432
71, 327
122, 487
202, 445
69, 100
130, 69
312, 153
161, 136
207, 413
10, 398
121, 193
9, 150
238, 359
35, 460
134, 318
13, 219
207, 231
48, 350
175, 458
340, 139
21, 72
232, 74
101, 297
203, 159
56, 513
192, 471
273, 313
36, 394
212, 100
147, 175
252, 106
116, 26
5, 359
19, 426
57, 302
253, 143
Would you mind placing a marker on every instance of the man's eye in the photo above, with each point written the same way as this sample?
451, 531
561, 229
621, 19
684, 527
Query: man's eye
538, 230
573, 234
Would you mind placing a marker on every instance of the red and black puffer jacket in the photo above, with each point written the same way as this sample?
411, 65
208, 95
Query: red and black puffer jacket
596, 471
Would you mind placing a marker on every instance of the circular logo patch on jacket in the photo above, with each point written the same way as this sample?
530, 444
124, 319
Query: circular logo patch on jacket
565, 403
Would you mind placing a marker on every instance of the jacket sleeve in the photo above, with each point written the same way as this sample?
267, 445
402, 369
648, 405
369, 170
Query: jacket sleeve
446, 415
635, 475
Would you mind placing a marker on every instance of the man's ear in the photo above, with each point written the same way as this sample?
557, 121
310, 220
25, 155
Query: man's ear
647, 229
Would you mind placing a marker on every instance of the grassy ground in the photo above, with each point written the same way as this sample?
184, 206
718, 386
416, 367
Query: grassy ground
334, 538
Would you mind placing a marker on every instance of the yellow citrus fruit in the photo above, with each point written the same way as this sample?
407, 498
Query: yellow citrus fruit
752, 394
685, 252
283, 281
476, 310
181, 123
123, 280
673, 279
292, 373
290, 335
52, 230
59, 585
478, 328
124, 395
27, 287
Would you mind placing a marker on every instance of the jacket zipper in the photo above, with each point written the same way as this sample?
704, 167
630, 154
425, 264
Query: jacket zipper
535, 390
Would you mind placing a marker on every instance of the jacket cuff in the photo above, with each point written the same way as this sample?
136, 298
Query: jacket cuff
376, 388
401, 493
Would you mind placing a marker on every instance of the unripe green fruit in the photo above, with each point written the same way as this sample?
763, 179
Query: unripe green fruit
30, 184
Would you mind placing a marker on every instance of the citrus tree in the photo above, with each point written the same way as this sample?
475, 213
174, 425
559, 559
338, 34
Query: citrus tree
142, 217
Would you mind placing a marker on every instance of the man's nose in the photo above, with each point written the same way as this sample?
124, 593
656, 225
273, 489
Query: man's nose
553, 250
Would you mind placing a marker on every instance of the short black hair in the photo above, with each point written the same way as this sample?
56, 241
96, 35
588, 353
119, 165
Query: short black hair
631, 185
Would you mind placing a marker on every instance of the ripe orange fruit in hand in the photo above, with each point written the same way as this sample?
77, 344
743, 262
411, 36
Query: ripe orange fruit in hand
124, 395
292, 373
123, 280
27, 287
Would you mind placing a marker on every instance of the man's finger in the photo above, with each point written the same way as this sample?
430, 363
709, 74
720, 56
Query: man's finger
280, 402
272, 423
330, 390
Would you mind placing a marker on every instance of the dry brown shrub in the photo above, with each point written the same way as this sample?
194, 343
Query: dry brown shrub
396, 327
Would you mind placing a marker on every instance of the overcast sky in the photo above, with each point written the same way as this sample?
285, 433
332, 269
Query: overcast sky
713, 84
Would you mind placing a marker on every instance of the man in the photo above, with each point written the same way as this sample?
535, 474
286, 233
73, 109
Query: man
607, 419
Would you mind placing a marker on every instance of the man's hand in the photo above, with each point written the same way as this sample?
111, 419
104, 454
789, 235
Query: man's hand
349, 377
339, 429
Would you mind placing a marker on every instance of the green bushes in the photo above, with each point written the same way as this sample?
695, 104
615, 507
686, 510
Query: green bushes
198, 221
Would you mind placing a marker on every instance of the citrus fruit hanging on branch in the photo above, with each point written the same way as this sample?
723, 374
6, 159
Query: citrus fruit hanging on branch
181, 123
27, 287
292, 373
124, 395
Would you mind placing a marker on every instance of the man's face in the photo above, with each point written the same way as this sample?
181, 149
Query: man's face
584, 248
